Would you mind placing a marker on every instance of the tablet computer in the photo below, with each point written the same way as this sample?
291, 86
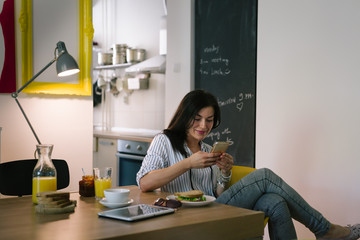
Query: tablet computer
136, 212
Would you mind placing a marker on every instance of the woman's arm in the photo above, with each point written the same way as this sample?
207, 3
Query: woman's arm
160, 177
222, 184
225, 164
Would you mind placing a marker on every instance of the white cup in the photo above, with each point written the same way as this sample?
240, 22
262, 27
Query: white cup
117, 195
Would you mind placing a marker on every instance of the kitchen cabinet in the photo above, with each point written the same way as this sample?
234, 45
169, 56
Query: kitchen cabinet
104, 155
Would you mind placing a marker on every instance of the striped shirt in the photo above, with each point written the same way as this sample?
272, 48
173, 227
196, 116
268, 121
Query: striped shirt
162, 155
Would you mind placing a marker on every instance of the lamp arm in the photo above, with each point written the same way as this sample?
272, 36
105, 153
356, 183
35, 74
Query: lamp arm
35, 76
15, 96
28, 121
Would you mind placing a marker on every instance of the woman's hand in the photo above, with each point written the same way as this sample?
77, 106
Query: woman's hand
203, 159
160, 177
225, 163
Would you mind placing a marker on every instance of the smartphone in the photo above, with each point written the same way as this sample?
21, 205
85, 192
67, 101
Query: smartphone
220, 147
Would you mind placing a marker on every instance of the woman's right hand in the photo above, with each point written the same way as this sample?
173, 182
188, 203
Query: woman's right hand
203, 159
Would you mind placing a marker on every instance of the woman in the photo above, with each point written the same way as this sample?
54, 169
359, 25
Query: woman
178, 160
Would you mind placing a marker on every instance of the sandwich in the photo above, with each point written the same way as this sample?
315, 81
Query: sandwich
192, 196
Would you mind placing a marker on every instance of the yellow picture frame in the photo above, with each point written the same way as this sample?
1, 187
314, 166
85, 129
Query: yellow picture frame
86, 33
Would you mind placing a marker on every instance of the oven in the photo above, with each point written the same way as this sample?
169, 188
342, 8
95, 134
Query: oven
130, 155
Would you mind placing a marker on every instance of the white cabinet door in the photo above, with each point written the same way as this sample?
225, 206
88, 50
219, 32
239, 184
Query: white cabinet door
104, 156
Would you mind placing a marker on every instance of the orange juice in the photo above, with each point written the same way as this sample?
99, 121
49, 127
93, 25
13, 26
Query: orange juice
43, 184
100, 185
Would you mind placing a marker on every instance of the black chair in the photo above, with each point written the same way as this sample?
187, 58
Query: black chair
16, 176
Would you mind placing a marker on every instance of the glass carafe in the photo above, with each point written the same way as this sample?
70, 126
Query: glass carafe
44, 174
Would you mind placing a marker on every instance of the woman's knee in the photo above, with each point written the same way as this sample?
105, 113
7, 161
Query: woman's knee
266, 171
263, 172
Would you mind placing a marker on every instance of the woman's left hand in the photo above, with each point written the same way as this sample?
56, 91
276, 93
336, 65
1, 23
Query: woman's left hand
225, 163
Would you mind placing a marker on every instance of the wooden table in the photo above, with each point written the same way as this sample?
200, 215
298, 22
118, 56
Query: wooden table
18, 220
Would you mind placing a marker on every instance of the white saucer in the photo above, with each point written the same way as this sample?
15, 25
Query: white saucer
115, 205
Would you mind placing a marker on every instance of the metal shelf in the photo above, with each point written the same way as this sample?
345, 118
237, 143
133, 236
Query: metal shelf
111, 67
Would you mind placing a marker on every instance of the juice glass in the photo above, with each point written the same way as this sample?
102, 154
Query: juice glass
102, 180
43, 184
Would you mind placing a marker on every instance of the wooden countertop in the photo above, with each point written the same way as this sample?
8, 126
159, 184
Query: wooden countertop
215, 221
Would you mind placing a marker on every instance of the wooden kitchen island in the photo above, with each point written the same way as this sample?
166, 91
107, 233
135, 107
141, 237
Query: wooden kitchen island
18, 220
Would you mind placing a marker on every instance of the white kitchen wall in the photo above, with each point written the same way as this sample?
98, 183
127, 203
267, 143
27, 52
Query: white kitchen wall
137, 24
308, 101
180, 57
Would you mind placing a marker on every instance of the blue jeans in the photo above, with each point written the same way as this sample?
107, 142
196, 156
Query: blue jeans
280, 223
265, 191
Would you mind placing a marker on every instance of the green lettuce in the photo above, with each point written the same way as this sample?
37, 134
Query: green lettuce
197, 199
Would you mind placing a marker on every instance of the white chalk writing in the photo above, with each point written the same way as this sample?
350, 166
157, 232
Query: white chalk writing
221, 136
212, 49
213, 63
238, 101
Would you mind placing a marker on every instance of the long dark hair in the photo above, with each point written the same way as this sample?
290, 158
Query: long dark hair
185, 114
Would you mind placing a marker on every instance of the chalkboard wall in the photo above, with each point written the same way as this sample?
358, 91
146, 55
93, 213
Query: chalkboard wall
225, 65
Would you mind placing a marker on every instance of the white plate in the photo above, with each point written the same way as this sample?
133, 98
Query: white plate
209, 199
115, 205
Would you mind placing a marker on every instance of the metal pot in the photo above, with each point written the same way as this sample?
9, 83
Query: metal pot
104, 58
135, 55
119, 54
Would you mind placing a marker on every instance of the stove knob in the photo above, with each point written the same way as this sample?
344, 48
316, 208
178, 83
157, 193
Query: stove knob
139, 147
127, 146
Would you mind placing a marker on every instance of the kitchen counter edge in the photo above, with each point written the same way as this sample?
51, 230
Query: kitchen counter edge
119, 135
